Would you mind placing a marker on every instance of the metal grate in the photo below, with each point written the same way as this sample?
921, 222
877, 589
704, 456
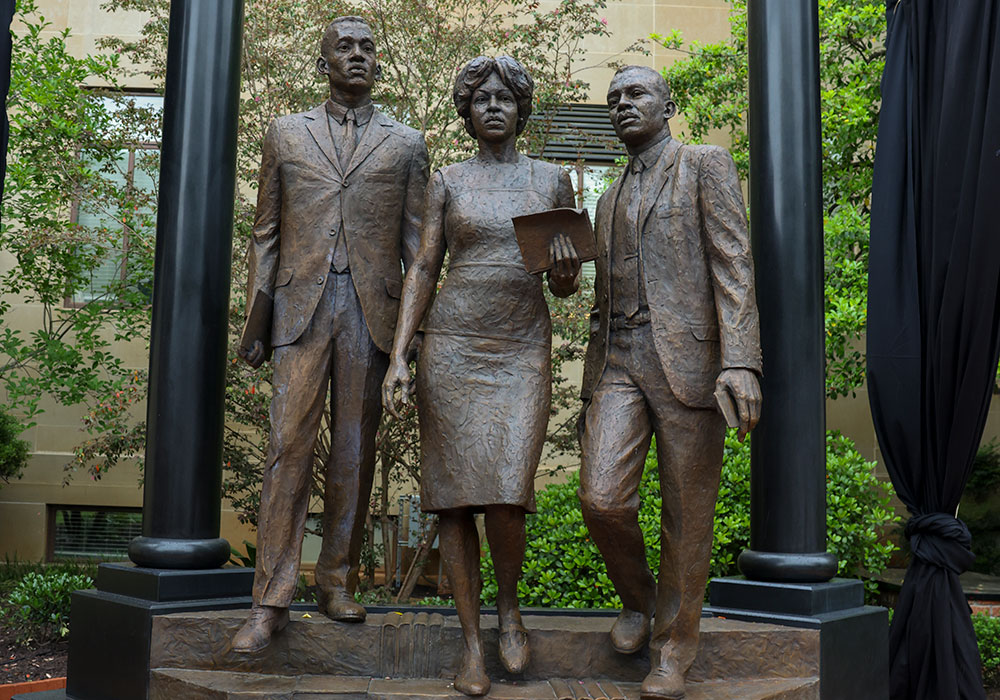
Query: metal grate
103, 534
581, 132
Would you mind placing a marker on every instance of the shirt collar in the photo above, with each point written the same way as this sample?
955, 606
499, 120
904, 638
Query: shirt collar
648, 157
339, 112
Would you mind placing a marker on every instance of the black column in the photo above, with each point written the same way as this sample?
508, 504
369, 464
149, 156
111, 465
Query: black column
191, 289
788, 453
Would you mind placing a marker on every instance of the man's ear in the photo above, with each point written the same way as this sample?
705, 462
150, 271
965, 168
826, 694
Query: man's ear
322, 67
378, 71
670, 109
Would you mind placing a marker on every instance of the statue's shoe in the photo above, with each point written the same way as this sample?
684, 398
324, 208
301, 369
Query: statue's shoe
472, 679
514, 649
630, 632
339, 605
256, 632
663, 684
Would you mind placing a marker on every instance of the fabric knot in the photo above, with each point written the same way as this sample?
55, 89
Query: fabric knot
942, 540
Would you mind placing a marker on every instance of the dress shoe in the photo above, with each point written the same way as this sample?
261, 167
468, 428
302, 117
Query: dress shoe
514, 651
472, 679
255, 634
337, 604
664, 683
630, 632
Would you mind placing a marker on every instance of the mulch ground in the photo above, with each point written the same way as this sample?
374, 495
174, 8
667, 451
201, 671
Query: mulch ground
32, 662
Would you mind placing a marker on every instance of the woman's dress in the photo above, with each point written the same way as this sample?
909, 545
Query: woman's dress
483, 376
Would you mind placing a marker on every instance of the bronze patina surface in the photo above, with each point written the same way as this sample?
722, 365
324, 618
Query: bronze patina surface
674, 339
338, 209
483, 381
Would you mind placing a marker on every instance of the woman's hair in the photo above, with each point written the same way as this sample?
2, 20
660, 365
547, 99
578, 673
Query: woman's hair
511, 73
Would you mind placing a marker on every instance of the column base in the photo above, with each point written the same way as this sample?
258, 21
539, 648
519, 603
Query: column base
854, 637
807, 567
111, 626
166, 553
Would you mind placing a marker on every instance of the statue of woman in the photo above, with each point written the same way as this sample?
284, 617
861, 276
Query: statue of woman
484, 378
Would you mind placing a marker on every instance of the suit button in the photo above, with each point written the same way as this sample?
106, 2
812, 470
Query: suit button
344, 184
319, 280
333, 232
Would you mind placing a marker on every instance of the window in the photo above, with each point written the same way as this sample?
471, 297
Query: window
124, 222
79, 532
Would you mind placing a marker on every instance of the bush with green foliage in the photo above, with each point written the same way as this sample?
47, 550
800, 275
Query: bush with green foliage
988, 638
38, 606
13, 450
564, 569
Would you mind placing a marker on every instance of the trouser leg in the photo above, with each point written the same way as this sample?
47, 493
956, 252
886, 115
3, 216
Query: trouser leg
358, 368
689, 446
614, 442
301, 375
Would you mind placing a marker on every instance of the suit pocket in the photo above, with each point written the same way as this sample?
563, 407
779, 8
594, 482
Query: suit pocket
705, 332
284, 277
381, 176
394, 288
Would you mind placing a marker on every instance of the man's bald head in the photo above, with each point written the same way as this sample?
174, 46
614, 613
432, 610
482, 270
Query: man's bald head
639, 107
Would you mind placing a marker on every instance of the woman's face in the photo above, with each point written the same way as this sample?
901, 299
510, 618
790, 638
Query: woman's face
494, 111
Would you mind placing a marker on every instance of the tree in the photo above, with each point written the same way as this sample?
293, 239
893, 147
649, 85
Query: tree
711, 89
422, 44
70, 150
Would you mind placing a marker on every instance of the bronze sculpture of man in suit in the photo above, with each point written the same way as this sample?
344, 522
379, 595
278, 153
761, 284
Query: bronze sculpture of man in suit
339, 205
675, 325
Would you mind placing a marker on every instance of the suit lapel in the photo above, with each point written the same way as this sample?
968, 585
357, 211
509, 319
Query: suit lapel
657, 179
316, 122
375, 133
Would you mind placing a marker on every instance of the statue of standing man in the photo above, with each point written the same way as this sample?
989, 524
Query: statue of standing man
674, 338
338, 209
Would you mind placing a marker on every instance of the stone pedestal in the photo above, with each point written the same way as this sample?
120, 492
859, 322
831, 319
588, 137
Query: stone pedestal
853, 637
110, 644
411, 654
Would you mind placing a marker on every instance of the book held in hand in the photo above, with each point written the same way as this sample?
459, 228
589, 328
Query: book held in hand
535, 232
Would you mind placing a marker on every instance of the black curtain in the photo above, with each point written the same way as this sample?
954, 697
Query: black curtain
6, 16
934, 314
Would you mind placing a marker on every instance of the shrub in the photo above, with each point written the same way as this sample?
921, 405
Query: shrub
988, 638
13, 450
563, 567
39, 603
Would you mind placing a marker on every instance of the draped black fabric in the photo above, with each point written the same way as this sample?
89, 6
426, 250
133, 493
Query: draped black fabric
934, 314
6, 16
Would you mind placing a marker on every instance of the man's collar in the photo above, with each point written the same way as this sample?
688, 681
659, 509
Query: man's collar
651, 153
339, 112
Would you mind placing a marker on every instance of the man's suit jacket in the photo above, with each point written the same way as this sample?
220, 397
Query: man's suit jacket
303, 197
698, 272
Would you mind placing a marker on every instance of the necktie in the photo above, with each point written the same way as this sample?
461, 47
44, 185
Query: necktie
350, 139
630, 240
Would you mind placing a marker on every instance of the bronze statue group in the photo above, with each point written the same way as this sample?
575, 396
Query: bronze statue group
345, 204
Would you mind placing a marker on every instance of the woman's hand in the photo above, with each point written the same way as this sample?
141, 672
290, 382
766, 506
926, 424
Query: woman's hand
565, 266
397, 377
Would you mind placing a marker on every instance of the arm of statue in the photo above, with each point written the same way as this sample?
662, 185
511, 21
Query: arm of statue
262, 255
564, 277
418, 289
416, 186
731, 262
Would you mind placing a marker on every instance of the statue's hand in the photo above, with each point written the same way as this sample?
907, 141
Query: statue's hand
744, 389
397, 377
565, 266
254, 356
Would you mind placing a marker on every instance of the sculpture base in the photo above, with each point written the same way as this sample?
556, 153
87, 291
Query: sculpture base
110, 644
854, 637
414, 654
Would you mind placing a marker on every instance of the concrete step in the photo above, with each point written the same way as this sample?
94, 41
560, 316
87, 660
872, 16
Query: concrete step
172, 684
428, 645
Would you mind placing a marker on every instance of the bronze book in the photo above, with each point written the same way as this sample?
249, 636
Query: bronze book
258, 325
535, 232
